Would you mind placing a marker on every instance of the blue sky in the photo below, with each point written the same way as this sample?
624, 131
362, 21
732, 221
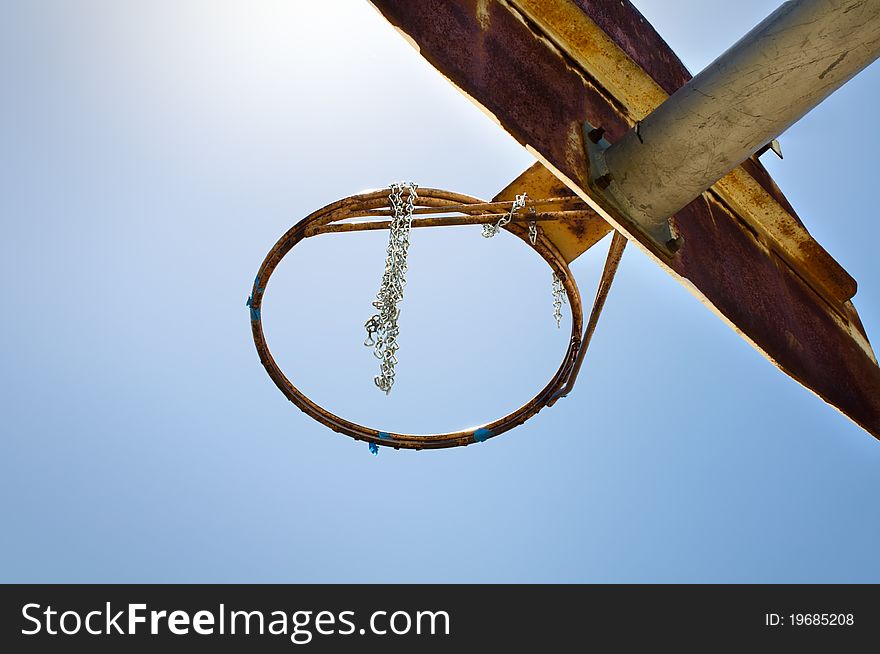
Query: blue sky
154, 151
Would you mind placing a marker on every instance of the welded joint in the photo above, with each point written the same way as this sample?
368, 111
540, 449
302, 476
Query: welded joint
608, 194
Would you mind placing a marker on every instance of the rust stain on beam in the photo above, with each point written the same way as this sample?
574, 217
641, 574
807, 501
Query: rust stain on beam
541, 94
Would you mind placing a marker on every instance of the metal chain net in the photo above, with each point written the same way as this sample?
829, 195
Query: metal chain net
533, 232
558, 299
489, 230
382, 328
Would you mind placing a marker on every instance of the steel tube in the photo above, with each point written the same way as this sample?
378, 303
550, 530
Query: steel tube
763, 84
441, 221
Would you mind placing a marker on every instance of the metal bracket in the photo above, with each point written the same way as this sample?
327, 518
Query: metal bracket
615, 253
773, 146
602, 183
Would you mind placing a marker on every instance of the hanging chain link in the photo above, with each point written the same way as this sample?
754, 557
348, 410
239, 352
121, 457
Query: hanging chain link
489, 230
382, 328
558, 299
533, 228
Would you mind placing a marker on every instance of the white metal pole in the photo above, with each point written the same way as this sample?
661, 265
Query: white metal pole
766, 82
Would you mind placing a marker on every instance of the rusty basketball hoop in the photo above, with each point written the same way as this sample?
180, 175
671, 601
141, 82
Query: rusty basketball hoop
437, 208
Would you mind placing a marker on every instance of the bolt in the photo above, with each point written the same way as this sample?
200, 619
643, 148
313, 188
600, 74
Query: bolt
595, 135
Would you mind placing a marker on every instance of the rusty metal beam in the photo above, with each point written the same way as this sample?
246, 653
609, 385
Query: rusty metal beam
745, 253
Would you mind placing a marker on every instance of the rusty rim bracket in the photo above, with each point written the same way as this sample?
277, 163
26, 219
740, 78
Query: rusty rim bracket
612, 261
665, 241
358, 206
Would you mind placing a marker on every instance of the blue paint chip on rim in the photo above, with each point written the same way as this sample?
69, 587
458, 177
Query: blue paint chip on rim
255, 311
384, 435
482, 434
